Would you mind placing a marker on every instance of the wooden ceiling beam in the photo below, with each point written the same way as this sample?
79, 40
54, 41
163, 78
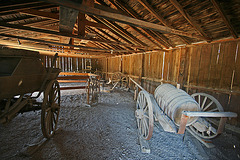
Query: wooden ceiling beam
160, 18
31, 29
219, 9
104, 13
21, 6
51, 51
57, 43
55, 16
190, 19
81, 24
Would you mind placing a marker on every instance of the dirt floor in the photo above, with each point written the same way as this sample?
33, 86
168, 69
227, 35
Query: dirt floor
104, 131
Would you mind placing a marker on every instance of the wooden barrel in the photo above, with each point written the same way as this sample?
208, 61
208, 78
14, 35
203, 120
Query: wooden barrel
173, 101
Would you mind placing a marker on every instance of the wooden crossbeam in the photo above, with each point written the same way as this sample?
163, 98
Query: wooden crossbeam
31, 29
20, 6
55, 16
45, 50
59, 44
219, 9
190, 19
104, 13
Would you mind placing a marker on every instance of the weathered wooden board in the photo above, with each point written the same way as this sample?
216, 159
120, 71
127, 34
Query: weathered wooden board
228, 64
236, 80
204, 65
196, 53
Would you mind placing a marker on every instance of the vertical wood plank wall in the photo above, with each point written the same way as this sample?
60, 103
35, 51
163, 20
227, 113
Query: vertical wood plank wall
69, 64
209, 68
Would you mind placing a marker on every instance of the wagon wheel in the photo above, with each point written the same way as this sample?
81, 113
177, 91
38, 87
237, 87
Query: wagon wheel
203, 127
116, 78
124, 81
50, 109
144, 115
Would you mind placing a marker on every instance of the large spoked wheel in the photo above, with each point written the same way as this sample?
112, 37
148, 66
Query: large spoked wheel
50, 109
116, 78
206, 127
144, 115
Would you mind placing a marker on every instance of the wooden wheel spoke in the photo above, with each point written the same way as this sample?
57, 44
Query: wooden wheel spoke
204, 101
146, 108
208, 106
212, 110
146, 123
199, 99
146, 116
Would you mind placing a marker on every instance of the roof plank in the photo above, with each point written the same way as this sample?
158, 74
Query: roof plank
224, 17
189, 18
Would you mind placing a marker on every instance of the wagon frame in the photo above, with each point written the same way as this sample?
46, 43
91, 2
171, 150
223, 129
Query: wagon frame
21, 76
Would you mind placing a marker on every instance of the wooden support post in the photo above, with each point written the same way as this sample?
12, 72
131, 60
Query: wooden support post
222, 123
136, 92
88, 92
183, 124
81, 24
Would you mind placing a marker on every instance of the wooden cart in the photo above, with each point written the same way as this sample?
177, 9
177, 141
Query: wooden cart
21, 77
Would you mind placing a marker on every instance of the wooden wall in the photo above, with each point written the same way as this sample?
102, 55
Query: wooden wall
210, 68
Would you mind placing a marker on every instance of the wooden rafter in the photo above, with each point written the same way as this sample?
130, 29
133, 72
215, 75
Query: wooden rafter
219, 9
121, 18
148, 32
160, 44
111, 37
160, 18
113, 31
190, 19
123, 32
104, 38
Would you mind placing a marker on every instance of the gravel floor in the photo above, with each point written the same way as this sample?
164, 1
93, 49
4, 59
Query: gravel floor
104, 131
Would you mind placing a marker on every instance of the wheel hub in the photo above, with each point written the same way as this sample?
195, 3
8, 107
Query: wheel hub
139, 113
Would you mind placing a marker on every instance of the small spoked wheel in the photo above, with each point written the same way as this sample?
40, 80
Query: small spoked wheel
144, 115
50, 109
124, 81
206, 127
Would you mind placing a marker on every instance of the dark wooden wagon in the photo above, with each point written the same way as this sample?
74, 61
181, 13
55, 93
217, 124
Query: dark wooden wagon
23, 79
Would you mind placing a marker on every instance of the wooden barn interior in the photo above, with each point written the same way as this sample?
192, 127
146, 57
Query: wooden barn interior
192, 44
